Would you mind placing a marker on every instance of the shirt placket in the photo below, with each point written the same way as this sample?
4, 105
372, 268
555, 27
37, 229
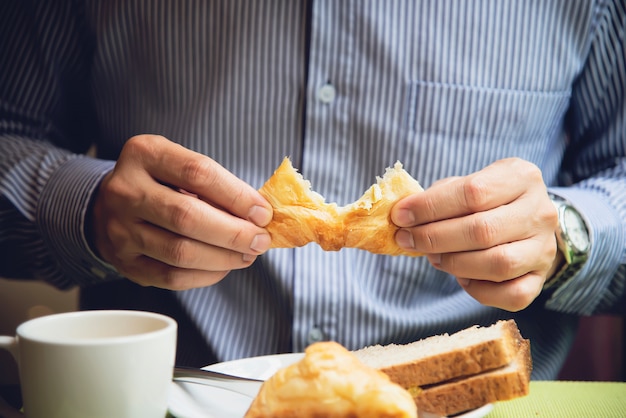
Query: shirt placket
319, 281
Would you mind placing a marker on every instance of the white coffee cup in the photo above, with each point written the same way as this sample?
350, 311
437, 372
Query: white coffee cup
108, 364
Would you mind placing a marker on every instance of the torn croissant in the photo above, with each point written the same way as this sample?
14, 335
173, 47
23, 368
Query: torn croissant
302, 216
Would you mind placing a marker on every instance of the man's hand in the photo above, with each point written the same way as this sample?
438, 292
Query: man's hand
494, 230
172, 218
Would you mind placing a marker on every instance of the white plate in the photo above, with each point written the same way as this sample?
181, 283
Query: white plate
189, 400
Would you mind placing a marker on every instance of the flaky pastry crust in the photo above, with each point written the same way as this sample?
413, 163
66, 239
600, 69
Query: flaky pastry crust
331, 382
302, 216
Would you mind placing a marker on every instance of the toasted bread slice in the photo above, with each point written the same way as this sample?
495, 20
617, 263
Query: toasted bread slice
443, 357
449, 374
467, 393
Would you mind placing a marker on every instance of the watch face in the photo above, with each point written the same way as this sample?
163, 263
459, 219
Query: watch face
576, 229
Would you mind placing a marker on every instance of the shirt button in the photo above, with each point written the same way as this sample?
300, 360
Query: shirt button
327, 93
315, 335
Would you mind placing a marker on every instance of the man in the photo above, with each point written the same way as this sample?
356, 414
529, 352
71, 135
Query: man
497, 108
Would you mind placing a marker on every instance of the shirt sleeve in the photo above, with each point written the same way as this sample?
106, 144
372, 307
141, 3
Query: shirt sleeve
594, 170
46, 126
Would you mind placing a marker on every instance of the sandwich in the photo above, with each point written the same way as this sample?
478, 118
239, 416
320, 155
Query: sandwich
449, 374
302, 216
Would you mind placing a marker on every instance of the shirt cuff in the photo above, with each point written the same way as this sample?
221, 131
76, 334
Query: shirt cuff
585, 290
61, 215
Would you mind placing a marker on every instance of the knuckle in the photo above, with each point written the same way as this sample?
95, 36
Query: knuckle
475, 193
237, 195
181, 214
197, 171
527, 169
427, 239
237, 238
178, 252
505, 264
431, 208
483, 231
117, 189
549, 216
142, 148
522, 293
140, 145
550, 251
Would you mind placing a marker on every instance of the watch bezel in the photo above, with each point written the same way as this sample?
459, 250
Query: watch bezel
575, 257
566, 230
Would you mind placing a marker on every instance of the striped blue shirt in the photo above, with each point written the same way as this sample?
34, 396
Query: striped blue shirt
345, 88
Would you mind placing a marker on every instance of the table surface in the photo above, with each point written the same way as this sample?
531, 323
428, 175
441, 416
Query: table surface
561, 399
547, 399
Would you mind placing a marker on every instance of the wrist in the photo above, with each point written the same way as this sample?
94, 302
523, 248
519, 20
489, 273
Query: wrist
573, 242
557, 265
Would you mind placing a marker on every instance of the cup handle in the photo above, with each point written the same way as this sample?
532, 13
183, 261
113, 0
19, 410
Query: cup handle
9, 344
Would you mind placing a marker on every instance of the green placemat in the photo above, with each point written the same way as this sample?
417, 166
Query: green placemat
566, 399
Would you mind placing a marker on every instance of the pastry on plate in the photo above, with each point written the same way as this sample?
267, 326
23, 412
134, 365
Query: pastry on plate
331, 382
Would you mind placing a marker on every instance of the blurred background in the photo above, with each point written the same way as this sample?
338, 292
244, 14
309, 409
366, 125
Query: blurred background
598, 353
22, 300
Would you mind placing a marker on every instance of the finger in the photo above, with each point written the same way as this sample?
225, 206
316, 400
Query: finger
191, 217
446, 180
173, 164
481, 230
149, 272
179, 251
498, 184
499, 263
512, 295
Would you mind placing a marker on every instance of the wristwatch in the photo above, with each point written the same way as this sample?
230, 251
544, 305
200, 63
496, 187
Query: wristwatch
573, 241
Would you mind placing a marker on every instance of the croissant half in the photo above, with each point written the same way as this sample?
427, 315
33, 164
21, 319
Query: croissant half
329, 381
302, 216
